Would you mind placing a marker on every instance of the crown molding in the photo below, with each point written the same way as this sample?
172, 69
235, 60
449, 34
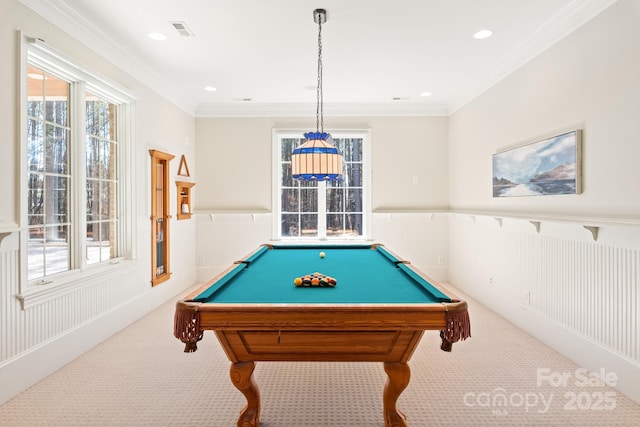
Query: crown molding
363, 109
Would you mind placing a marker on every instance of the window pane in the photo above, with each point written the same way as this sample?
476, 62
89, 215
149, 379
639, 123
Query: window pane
56, 249
290, 225
107, 208
56, 199
35, 92
107, 120
309, 200
36, 253
93, 251
93, 117
290, 201
335, 200
93, 165
335, 224
56, 97
35, 107
35, 199
353, 224
48, 251
93, 192
56, 149
110, 242
102, 180
287, 146
353, 175
309, 225
287, 178
101, 241
35, 145
308, 184
354, 200
105, 159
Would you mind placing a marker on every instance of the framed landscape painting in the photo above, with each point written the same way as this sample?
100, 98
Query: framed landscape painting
546, 167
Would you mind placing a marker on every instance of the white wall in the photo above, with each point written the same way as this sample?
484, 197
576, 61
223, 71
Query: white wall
579, 295
588, 80
233, 156
36, 341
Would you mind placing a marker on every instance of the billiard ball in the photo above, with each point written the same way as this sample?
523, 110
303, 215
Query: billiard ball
315, 281
297, 281
322, 254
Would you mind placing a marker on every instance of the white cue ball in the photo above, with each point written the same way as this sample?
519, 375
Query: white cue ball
322, 254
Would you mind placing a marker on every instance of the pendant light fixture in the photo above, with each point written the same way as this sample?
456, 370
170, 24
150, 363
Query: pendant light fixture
317, 158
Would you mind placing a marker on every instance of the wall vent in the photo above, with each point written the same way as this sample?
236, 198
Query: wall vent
182, 29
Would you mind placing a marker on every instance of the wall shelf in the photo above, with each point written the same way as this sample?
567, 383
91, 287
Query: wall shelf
6, 228
591, 224
184, 199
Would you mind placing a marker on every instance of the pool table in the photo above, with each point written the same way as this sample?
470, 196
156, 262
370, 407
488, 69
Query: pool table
377, 311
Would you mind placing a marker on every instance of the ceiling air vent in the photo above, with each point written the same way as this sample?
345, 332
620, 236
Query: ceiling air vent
182, 29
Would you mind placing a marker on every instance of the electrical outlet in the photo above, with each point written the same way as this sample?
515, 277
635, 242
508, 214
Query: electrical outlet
491, 280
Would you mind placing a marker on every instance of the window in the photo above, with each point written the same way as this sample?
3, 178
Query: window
76, 132
323, 210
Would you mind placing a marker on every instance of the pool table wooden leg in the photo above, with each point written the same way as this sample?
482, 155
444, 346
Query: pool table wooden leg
398, 378
242, 377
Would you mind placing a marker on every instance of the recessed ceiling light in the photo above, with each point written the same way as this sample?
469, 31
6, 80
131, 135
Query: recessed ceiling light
157, 36
426, 94
483, 34
210, 88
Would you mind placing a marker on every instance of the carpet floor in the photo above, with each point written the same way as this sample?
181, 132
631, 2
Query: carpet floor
141, 377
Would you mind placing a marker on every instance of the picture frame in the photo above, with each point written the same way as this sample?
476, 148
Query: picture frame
550, 166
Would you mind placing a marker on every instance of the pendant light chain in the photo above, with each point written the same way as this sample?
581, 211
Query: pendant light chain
319, 94
317, 158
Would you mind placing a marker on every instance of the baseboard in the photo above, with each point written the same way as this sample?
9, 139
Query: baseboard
20, 373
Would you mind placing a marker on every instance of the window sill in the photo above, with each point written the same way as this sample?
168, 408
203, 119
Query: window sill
72, 282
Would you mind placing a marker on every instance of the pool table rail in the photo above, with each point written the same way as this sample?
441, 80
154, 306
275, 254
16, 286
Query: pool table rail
193, 318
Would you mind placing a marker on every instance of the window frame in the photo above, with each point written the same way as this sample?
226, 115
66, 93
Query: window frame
277, 136
35, 52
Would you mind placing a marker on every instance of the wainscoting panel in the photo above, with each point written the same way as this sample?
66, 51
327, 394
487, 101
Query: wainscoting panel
24, 329
9, 307
560, 273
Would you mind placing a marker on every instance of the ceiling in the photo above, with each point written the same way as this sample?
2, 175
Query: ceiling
261, 56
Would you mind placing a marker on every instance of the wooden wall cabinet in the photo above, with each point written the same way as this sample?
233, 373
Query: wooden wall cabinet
160, 216
184, 199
